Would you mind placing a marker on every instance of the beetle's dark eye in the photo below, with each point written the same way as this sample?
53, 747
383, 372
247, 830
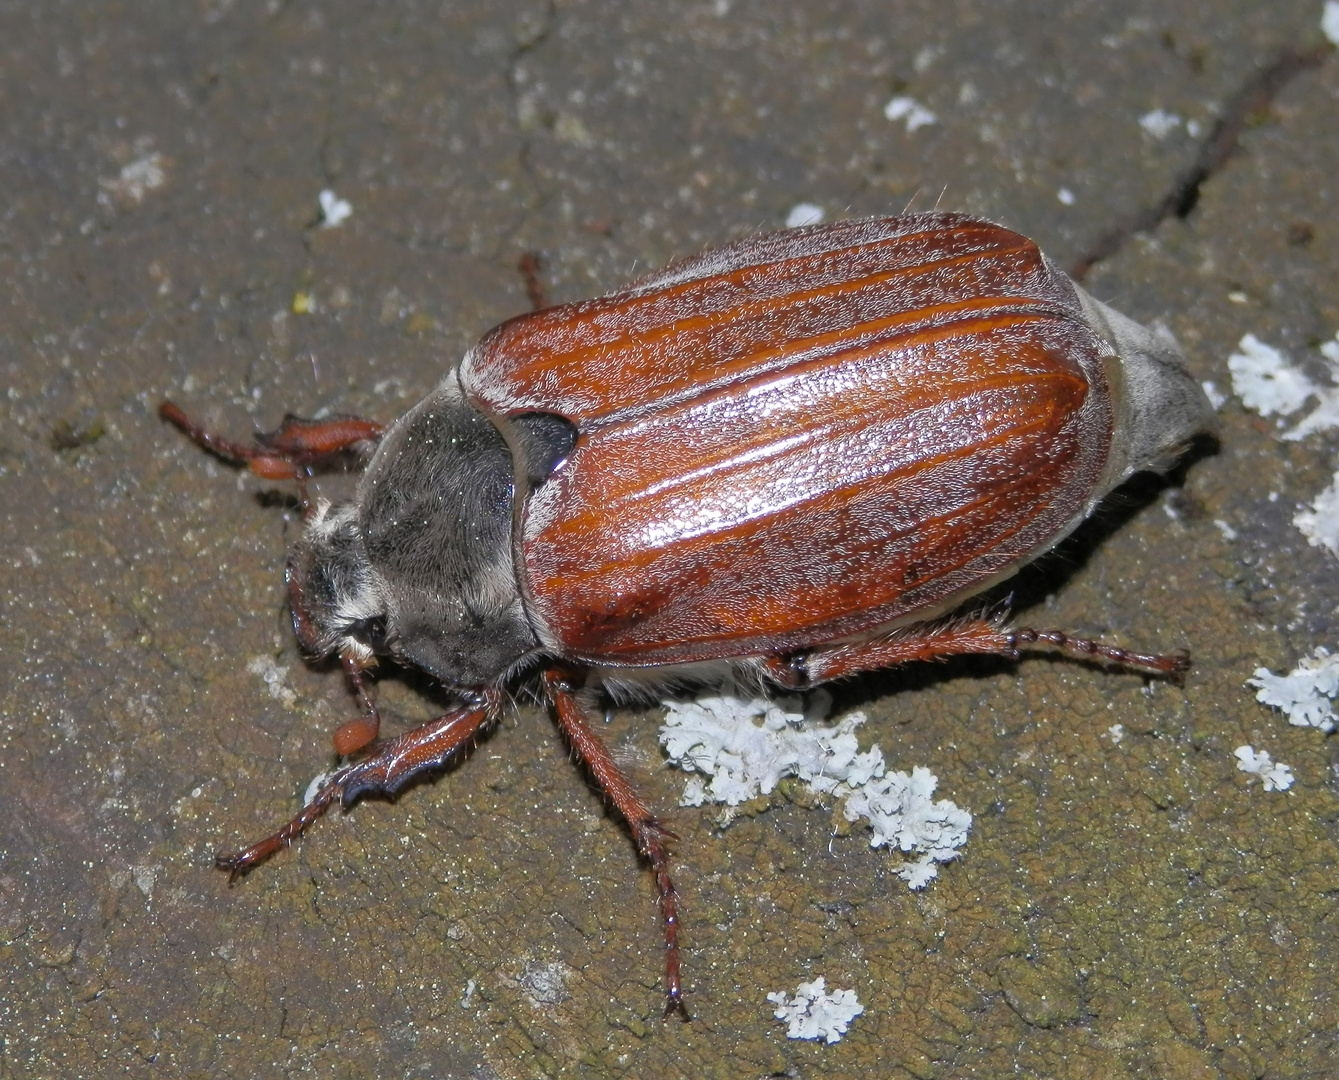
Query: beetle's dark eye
545, 441
370, 632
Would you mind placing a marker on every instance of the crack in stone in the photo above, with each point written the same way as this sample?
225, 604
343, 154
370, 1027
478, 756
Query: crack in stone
525, 45
1253, 98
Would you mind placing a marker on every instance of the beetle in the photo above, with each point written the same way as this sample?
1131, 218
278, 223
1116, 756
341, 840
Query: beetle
788, 460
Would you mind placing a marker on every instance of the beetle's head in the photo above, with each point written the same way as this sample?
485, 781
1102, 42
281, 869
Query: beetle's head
418, 568
337, 601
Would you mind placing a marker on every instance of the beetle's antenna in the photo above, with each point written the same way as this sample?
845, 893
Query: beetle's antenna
290, 453
352, 736
216, 444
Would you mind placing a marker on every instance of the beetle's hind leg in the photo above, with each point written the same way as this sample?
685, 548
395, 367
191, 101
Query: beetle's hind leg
394, 763
649, 834
954, 637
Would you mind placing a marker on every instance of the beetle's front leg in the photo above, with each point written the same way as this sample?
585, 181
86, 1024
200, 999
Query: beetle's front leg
395, 762
649, 834
954, 637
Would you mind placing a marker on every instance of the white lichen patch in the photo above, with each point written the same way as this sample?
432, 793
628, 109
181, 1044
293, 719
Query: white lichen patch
545, 985
145, 878
1320, 523
137, 179
334, 210
1324, 416
1264, 379
275, 678
813, 1013
317, 783
571, 129
743, 749
901, 812
1276, 775
746, 747
1329, 21
911, 112
1306, 695
1159, 123
1268, 383
805, 213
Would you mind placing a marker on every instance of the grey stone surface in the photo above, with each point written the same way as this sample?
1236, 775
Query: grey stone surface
1122, 909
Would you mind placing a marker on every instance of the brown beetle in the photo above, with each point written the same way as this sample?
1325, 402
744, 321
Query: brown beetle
791, 459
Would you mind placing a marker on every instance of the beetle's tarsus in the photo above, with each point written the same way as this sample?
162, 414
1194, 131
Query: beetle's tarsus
1174, 664
239, 863
231, 864
674, 1004
958, 637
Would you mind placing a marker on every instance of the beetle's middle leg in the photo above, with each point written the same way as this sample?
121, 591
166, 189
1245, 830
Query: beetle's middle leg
955, 637
648, 833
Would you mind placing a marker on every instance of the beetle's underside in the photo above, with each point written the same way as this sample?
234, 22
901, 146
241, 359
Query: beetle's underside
799, 453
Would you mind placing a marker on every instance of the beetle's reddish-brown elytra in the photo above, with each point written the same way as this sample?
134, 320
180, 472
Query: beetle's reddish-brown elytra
792, 459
